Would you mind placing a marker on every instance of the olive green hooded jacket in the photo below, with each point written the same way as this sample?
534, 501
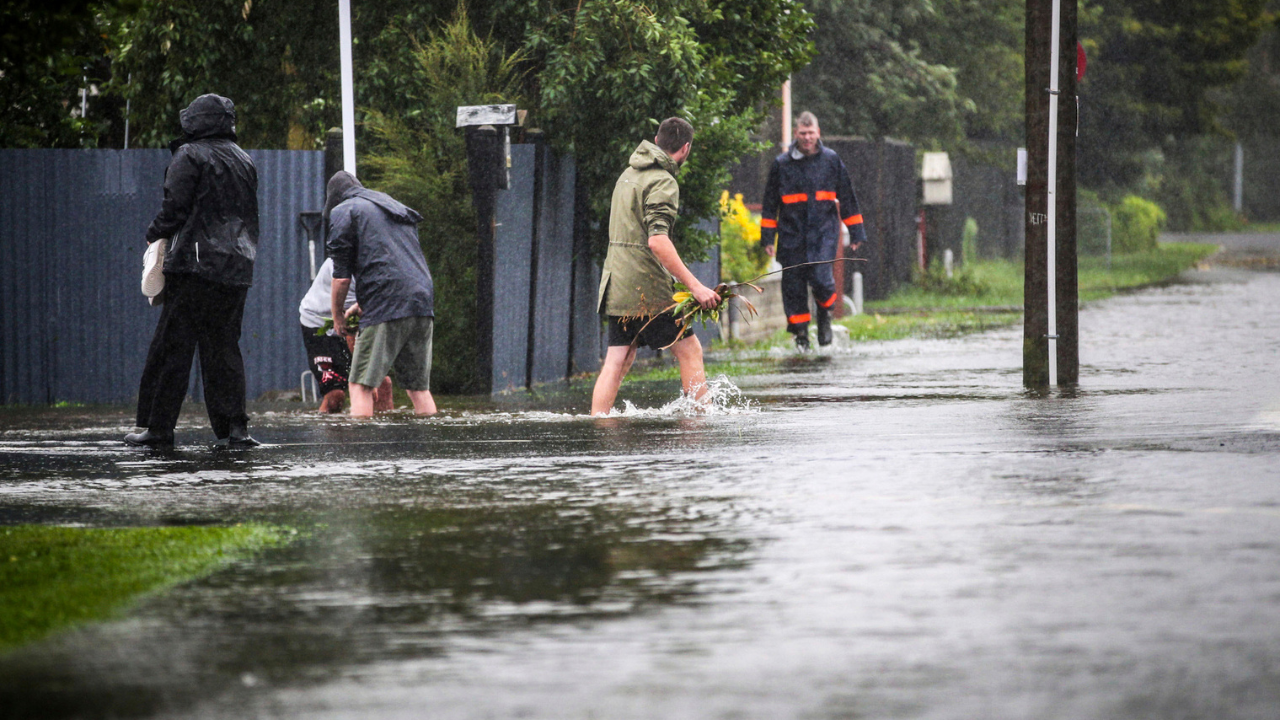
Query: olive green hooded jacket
645, 202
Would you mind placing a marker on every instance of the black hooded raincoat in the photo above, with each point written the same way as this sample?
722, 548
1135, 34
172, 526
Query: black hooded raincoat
210, 211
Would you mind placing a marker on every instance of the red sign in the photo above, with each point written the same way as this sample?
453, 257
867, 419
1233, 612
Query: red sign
1082, 62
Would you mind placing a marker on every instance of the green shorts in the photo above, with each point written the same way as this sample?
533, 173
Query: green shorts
403, 344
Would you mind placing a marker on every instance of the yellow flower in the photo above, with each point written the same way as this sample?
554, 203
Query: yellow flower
681, 296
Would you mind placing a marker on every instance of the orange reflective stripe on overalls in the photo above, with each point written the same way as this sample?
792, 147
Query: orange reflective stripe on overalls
797, 319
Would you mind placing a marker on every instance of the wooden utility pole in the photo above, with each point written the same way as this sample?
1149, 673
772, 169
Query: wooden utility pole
1050, 349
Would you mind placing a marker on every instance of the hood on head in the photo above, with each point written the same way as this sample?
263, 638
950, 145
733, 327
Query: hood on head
344, 186
648, 155
209, 116
338, 189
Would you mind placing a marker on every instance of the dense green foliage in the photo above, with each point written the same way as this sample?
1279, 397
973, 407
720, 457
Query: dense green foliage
55, 577
50, 52
419, 159
935, 72
1135, 225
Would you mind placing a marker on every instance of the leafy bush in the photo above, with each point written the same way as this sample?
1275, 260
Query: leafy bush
742, 258
969, 241
963, 281
1135, 224
420, 159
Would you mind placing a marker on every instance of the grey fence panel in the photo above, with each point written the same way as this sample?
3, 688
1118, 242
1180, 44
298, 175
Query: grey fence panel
708, 273
289, 183
513, 248
72, 224
24, 211
587, 345
553, 289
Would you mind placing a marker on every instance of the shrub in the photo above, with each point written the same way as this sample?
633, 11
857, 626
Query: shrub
963, 281
420, 159
969, 241
1135, 224
742, 257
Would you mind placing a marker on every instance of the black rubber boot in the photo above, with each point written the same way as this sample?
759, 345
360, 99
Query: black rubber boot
802, 342
150, 438
824, 327
239, 437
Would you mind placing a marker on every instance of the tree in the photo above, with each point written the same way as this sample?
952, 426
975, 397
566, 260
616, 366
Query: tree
1154, 67
871, 78
51, 51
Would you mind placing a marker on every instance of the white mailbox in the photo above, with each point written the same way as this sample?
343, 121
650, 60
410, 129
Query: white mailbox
936, 173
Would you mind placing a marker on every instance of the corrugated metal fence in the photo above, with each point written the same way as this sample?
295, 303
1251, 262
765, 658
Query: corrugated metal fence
71, 241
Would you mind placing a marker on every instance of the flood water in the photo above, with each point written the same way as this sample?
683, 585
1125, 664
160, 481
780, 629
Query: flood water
894, 530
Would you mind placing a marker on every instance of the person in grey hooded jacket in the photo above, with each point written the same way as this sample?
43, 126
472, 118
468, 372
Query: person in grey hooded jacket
210, 218
374, 238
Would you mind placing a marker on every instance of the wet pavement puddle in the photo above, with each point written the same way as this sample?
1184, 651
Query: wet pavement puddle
894, 530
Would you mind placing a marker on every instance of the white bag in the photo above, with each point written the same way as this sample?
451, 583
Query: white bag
153, 271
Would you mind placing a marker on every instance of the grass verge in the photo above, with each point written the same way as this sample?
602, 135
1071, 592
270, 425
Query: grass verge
52, 578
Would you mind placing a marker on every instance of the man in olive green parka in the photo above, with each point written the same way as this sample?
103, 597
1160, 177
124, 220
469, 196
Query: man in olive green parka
642, 265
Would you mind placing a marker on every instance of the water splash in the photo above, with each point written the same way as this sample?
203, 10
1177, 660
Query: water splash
722, 398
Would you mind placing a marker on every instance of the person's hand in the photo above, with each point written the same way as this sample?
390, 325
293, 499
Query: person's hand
705, 296
770, 250
340, 329
353, 310
853, 247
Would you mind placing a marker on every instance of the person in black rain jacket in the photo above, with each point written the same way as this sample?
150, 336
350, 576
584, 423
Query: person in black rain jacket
210, 218
807, 197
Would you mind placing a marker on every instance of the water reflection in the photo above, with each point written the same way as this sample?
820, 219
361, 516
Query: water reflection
371, 583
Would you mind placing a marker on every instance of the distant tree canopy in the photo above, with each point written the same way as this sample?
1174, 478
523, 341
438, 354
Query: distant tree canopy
49, 51
935, 72
598, 74
1153, 72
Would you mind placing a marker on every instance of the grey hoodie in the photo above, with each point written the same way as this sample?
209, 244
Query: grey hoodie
373, 238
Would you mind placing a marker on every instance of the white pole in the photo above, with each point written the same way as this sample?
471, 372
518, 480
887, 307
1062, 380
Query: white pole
1052, 213
786, 113
348, 89
127, 101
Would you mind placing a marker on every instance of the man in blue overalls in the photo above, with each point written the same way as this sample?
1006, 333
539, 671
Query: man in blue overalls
806, 198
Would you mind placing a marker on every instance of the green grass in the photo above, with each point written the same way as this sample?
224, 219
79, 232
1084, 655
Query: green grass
52, 578
989, 283
925, 323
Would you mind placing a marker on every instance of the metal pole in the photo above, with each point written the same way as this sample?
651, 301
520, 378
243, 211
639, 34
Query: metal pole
786, 113
127, 101
1052, 250
1239, 178
348, 88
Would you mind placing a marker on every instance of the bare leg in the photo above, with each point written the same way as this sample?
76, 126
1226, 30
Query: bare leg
382, 399
693, 378
332, 401
361, 400
617, 363
423, 403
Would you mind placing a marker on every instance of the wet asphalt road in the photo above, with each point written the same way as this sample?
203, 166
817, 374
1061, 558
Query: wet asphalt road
891, 531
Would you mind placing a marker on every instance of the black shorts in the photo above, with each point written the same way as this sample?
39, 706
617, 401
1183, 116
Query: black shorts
330, 359
658, 334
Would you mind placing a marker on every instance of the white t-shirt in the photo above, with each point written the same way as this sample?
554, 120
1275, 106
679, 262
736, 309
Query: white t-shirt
316, 304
